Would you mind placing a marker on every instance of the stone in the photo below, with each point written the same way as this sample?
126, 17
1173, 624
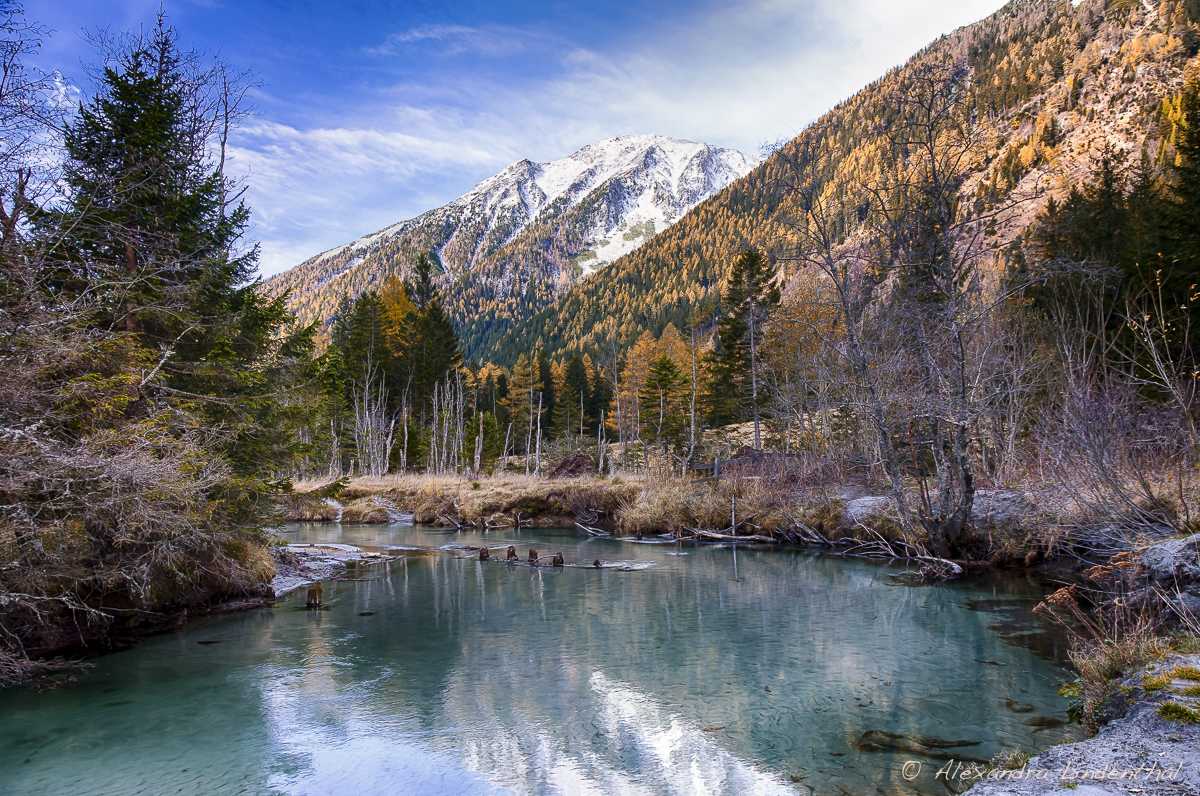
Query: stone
859, 509
1173, 563
1002, 508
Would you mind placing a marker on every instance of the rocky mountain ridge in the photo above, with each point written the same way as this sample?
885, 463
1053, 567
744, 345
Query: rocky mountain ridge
539, 224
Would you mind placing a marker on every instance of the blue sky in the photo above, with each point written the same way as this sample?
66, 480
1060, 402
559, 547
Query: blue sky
375, 111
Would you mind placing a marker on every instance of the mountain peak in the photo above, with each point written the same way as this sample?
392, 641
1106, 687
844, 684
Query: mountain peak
595, 205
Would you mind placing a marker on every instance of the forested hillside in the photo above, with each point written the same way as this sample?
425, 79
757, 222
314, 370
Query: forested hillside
1048, 82
519, 239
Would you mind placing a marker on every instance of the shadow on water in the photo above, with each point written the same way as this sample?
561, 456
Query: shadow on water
671, 669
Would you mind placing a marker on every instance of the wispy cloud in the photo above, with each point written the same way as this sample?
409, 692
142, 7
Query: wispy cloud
489, 40
312, 189
734, 76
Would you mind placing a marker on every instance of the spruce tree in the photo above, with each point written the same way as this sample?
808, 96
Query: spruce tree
150, 230
662, 409
733, 392
435, 346
545, 386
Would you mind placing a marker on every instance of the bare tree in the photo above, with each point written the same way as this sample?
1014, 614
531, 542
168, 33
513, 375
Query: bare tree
902, 254
374, 425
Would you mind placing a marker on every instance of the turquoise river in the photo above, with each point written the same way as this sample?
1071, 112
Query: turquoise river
672, 670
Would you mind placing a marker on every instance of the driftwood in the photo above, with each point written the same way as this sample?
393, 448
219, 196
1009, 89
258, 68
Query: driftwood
807, 534
935, 568
726, 537
592, 531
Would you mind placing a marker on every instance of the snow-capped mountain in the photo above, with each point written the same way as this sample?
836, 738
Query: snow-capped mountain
540, 225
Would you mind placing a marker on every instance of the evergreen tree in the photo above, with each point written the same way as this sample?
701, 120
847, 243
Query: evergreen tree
574, 400
600, 397
435, 347
732, 392
545, 388
1181, 271
663, 417
150, 230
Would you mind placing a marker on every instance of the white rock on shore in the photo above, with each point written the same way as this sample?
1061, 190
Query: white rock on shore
1139, 753
317, 562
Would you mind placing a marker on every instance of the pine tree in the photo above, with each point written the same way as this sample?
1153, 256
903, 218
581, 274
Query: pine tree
733, 391
662, 408
151, 231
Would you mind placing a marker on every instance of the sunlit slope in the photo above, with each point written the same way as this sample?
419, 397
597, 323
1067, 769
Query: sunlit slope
519, 238
1047, 83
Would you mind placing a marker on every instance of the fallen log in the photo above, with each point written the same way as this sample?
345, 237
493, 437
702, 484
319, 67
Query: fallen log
592, 531
725, 537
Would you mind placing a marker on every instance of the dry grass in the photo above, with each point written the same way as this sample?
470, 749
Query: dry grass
757, 505
499, 499
1173, 711
1101, 664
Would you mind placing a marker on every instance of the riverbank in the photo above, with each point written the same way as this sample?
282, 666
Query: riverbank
1008, 526
1154, 747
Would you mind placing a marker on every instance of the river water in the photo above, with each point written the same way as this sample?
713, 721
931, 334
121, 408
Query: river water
672, 670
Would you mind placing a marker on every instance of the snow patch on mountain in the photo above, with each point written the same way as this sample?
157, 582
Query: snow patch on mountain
664, 177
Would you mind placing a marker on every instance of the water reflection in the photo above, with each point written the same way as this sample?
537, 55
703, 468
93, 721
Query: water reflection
449, 675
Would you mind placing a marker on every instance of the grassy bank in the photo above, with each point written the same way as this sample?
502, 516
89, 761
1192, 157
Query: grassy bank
787, 508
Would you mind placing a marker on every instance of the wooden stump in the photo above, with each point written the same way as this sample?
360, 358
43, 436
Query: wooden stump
314, 595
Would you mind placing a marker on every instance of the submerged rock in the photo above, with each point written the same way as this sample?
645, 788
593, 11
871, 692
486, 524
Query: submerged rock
936, 748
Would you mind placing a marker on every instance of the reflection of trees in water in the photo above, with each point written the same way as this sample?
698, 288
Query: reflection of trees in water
509, 658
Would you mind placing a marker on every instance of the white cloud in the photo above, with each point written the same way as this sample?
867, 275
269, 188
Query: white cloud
491, 40
311, 190
735, 77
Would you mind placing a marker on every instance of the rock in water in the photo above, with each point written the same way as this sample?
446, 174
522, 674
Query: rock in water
574, 466
879, 741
